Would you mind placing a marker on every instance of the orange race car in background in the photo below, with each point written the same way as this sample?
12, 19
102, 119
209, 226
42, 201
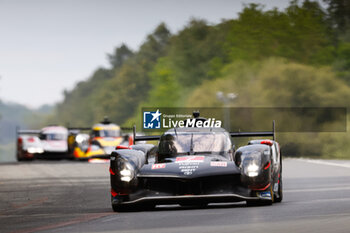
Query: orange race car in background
103, 139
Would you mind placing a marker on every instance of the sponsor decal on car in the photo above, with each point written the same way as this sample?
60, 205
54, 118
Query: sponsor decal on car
218, 164
188, 168
158, 165
189, 159
265, 194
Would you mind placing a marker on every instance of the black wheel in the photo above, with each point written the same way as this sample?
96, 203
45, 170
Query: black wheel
279, 195
119, 208
117, 204
19, 153
19, 158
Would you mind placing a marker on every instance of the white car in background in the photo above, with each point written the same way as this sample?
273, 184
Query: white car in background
49, 142
28, 147
54, 141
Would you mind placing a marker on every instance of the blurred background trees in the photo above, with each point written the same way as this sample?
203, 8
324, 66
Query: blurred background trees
297, 57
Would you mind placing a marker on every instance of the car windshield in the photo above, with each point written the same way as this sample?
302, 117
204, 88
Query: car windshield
106, 133
53, 136
195, 143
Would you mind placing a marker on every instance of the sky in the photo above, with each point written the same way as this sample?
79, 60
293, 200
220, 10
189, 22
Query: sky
47, 46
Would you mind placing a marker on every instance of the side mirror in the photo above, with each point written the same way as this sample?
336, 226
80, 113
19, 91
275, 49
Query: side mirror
152, 154
237, 158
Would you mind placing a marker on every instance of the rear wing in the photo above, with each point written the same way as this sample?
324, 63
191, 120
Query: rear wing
26, 131
232, 134
78, 128
143, 138
257, 134
90, 128
126, 128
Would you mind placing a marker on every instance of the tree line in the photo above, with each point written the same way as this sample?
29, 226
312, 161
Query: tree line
296, 57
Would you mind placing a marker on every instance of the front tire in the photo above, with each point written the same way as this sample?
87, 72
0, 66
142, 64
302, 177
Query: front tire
119, 208
19, 157
279, 197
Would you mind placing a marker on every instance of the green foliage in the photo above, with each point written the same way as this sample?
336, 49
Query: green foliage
121, 54
342, 64
279, 83
114, 92
299, 34
76, 108
339, 15
196, 52
297, 57
165, 87
275, 83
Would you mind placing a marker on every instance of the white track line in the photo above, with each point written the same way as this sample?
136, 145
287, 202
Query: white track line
324, 162
317, 189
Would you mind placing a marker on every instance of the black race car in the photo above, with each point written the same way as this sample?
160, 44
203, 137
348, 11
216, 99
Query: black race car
196, 166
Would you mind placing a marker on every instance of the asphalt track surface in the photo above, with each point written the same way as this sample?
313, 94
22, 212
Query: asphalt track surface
68, 196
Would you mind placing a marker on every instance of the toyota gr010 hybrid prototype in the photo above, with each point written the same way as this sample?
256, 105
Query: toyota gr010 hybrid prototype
196, 166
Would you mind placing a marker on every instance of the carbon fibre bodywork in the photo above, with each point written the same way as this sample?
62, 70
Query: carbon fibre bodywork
140, 175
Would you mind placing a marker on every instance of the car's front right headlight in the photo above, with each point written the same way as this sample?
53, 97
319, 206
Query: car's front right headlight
252, 170
34, 150
125, 170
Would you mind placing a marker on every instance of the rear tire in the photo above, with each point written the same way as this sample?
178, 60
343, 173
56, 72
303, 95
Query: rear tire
19, 153
19, 158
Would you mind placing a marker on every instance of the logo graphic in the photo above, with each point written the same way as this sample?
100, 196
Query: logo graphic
218, 164
151, 120
189, 159
158, 165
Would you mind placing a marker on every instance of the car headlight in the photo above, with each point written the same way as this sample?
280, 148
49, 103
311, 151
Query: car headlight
80, 138
34, 150
125, 170
252, 170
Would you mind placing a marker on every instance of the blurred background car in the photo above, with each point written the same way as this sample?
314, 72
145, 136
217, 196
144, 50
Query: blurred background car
28, 146
49, 142
103, 139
